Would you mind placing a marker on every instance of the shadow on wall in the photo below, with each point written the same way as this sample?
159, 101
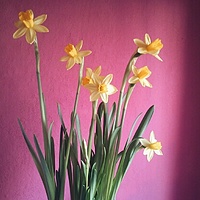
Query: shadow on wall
187, 173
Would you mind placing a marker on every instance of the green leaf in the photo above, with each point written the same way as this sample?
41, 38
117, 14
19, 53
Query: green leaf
33, 154
47, 175
93, 180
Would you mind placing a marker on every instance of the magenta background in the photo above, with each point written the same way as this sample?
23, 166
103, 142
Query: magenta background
107, 28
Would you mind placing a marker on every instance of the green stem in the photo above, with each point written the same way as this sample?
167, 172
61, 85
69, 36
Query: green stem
127, 72
73, 117
42, 107
94, 112
46, 136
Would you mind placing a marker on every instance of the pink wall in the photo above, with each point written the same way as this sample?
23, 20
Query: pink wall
107, 28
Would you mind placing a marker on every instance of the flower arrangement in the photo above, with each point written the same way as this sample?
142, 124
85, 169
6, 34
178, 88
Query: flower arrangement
93, 173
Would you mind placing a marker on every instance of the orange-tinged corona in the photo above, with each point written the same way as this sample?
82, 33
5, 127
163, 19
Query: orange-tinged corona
156, 45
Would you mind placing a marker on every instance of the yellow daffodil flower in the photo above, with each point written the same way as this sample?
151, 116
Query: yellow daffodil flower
148, 47
151, 146
88, 79
28, 26
101, 88
140, 75
74, 55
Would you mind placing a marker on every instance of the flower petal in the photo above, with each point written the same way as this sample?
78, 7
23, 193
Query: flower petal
94, 96
142, 50
40, 19
104, 97
145, 82
152, 137
98, 70
79, 45
146, 151
150, 155
111, 89
19, 33
70, 63
84, 53
158, 57
40, 28
139, 43
64, 58
91, 87
30, 36
144, 142
147, 39
133, 80
158, 152
107, 80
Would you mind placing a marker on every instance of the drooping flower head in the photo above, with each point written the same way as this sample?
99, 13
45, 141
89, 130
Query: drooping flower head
140, 75
28, 26
74, 55
100, 87
148, 47
151, 146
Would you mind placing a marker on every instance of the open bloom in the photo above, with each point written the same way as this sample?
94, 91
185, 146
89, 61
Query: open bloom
140, 75
88, 79
74, 55
28, 26
148, 47
151, 146
101, 88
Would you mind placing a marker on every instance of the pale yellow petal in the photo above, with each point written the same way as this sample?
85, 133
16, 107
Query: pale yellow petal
19, 33
158, 152
89, 72
158, 57
152, 137
40, 28
150, 155
147, 39
30, 36
91, 87
145, 82
79, 45
78, 59
94, 96
40, 19
104, 97
70, 63
133, 80
84, 53
64, 58
146, 151
144, 142
142, 50
107, 80
111, 89
139, 43
98, 70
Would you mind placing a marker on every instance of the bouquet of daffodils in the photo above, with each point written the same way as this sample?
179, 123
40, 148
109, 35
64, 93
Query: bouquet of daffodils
95, 166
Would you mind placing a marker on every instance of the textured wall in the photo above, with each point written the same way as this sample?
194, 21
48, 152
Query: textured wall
107, 28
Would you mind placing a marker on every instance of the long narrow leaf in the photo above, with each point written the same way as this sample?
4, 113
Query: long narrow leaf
33, 154
47, 175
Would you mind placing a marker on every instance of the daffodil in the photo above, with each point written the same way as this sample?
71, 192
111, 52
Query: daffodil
28, 26
74, 55
151, 146
101, 88
88, 79
148, 47
140, 75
